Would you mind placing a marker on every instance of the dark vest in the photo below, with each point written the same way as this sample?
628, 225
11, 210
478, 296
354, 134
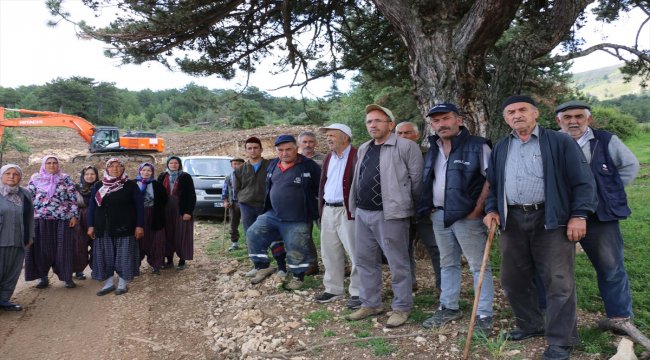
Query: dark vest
117, 215
612, 200
464, 180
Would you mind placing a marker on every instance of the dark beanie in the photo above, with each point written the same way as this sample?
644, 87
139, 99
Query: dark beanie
253, 140
516, 99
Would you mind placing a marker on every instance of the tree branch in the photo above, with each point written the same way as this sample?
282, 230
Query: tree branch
612, 49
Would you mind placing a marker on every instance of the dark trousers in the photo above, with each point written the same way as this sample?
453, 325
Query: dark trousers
425, 232
527, 247
235, 217
249, 214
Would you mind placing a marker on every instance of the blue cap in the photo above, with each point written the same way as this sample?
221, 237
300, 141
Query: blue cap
443, 108
284, 138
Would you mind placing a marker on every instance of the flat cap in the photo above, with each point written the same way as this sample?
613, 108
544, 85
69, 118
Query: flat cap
573, 104
386, 111
516, 99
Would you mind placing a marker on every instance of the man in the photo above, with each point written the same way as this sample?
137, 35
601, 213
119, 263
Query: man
420, 226
230, 202
454, 192
290, 207
308, 143
337, 223
541, 192
250, 185
613, 166
387, 178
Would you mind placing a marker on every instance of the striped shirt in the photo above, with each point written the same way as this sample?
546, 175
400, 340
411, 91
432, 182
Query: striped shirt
524, 170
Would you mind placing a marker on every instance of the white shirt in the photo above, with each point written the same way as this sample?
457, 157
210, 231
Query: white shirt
333, 190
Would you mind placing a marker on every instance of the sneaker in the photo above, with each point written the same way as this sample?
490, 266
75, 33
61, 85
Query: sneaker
251, 272
70, 285
43, 283
281, 274
364, 312
233, 247
294, 284
353, 303
327, 297
262, 274
80, 276
483, 324
181, 265
442, 316
397, 318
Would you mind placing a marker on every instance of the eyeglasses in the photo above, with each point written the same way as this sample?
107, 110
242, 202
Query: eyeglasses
370, 121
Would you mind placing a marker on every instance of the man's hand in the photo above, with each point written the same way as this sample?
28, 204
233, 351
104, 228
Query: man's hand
227, 204
576, 229
487, 220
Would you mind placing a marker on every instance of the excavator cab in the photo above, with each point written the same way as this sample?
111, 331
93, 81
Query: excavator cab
105, 138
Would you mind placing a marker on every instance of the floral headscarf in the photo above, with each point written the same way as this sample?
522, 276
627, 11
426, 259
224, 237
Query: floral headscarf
44, 180
11, 193
110, 183
144, 182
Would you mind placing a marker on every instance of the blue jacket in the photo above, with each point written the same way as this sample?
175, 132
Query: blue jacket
464, 180
310, 178
612, 200
569, 186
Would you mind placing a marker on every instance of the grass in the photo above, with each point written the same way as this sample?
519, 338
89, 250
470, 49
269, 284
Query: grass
319, 317
595, 341
497, 346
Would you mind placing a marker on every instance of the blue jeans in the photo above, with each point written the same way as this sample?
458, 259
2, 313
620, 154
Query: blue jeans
467, 236
266, 231
249, 214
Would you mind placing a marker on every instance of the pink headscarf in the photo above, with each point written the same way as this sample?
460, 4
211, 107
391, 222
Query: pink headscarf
44, 180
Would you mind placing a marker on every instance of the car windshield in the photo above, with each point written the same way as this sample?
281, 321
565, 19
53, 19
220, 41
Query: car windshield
207, 167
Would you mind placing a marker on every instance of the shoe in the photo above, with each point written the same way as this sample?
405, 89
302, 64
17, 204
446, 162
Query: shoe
80, 276
70, 285
121, 291
294, 284
353, 303
42, 284
233, 247
415, 287
168, 265
441, 317
281, 274
483, 324
518, 334
327, 297
312, 269
252, 272
557, 352
7, 306
156, 271
397, 318
617, 326
103, 292
181, 265
262, 274
364, 312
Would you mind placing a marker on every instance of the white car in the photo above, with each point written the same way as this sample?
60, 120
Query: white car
208, 173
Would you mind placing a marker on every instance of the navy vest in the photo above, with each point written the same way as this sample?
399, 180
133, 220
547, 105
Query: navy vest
612, 200
464, 180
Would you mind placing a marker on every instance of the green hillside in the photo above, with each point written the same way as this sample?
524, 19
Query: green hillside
606, 83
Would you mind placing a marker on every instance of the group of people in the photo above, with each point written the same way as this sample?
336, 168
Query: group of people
110, 223
551, 188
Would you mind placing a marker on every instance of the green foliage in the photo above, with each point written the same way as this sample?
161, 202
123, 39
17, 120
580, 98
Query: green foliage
10, 141
595, 341
611, 119
635, 105
328, 333
319, 317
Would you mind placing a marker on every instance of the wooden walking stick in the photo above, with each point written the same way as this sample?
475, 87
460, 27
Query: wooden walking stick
486, 257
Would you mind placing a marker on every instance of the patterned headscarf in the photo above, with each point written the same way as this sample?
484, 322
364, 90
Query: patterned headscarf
44, 180
142, 183
110, 183
11, 193
84, 187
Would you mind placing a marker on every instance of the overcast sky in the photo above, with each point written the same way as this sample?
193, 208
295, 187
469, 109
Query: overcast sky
31, 53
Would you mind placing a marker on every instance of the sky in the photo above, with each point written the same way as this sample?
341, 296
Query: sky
32, 53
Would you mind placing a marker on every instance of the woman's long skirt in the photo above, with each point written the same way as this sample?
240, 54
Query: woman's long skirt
80, 243
11, 263
179, 233
113, 254
152, 245
52, 248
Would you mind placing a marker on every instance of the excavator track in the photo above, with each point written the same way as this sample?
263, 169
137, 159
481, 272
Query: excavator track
105, 156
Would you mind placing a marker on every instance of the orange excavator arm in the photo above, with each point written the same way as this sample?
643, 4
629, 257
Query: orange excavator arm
47, 119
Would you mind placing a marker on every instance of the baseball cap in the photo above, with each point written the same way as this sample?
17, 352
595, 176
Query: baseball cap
573, 104
344, 128
284, 138
237, 160
443, 108
388, 113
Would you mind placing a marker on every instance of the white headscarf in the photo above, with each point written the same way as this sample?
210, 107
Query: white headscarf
11, 193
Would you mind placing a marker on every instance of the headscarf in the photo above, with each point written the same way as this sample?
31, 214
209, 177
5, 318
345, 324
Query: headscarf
110, 183
142, 183
44, 180
85, 188
174, 174
11, 193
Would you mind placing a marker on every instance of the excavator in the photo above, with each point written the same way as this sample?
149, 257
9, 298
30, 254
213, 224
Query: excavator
103, 141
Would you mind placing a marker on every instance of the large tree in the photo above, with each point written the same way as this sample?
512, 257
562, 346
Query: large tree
473, 53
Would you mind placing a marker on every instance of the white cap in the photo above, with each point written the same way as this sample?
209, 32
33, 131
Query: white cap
344, 128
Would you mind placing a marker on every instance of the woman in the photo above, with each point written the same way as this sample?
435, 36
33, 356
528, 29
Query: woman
80, 241
179, 227
16, 231
115, 222
55, 216
155, 198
